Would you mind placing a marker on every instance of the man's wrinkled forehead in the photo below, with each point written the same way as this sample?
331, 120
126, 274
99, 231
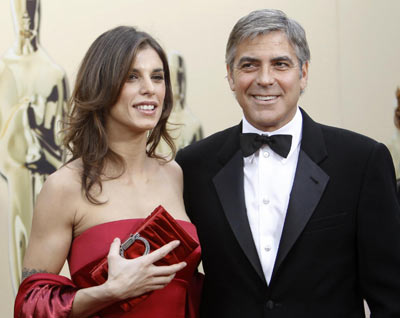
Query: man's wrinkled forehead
243, 50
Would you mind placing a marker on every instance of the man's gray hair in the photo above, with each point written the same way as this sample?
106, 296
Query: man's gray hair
262, 22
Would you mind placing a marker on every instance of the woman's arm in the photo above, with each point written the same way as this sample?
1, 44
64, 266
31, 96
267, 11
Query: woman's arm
52, 227
50, 240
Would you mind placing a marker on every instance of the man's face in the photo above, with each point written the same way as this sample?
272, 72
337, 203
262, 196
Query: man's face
267, 80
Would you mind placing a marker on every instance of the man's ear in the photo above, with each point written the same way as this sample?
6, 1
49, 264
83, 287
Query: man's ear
304, 76
230, 77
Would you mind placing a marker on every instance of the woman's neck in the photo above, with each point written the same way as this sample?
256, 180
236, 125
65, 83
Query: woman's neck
133, 152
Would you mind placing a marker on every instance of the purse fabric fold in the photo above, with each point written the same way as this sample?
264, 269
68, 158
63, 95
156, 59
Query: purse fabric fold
159, 228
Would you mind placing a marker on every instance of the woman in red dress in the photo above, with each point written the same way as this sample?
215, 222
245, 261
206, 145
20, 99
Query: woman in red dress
114, 179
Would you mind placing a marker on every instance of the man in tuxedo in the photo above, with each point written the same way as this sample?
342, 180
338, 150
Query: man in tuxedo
295, 219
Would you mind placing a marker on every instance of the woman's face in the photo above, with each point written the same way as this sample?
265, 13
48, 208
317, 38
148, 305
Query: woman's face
139, 105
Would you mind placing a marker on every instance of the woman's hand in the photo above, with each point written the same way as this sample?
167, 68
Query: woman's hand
133, 277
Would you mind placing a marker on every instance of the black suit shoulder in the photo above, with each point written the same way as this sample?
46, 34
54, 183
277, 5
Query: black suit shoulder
319, 135
354, 156
209, 147
349, 143
341, 135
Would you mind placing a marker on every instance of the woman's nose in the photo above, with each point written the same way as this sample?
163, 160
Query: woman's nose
147, 86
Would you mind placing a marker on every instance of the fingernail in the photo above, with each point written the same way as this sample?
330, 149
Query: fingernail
184, 264
177, 243
116, 239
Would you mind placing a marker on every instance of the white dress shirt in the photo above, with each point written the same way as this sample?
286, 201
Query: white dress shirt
268, 181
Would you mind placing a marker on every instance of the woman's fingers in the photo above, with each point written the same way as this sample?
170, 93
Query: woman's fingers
159, 282
159, 254
148, 261
162, 251
114, 248
133, 277
168, 270
162, 280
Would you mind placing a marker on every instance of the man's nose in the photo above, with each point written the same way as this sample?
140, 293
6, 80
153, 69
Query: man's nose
265, 76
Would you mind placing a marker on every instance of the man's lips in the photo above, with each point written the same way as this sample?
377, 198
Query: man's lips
265, 98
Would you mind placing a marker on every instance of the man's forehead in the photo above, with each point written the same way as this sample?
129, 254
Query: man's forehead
273, 44
256, 38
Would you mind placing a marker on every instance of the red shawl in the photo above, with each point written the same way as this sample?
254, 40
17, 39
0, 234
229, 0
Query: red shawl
45, 296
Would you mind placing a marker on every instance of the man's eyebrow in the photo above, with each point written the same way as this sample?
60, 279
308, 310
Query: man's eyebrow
282, 58
244, 59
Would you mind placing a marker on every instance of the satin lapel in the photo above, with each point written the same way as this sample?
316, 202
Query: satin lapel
308, 186
228, 183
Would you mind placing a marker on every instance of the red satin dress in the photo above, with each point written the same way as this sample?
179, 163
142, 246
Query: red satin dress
179, 299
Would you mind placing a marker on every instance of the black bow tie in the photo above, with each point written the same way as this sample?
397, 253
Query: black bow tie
250, 143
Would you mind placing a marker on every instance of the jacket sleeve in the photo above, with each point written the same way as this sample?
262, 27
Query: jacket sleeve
378, 236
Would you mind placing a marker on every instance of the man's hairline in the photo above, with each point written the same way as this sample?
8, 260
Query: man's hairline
230, 67
253, 36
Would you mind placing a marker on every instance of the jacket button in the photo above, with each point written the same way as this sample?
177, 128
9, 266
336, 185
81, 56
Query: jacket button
270, 304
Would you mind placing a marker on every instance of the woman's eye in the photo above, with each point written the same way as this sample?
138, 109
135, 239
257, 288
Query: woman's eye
158, 77
132, 77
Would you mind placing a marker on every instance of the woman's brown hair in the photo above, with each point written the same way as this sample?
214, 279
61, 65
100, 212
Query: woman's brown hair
99, 81
397, 110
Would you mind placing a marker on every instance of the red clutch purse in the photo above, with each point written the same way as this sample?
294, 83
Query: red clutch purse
158, 229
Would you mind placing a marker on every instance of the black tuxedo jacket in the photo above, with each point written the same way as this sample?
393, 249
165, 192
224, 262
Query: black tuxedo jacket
341, 237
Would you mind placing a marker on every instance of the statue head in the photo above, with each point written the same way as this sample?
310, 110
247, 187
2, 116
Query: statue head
26, 14
178, 78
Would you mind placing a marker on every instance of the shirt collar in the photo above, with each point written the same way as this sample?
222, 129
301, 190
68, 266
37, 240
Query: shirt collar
293, 127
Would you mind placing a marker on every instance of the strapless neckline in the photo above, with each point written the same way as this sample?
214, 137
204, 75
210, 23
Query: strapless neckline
97, 226
98, 238
171, 301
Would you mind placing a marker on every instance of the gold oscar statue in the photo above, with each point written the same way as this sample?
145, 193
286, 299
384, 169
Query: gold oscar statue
183, 126
33, 94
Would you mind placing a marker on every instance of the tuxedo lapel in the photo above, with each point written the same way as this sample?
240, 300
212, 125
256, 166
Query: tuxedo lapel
308, 186
228, 183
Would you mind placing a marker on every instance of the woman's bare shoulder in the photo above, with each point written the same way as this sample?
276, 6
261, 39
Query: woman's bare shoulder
172, 168
61, 189
173, 172
65, 179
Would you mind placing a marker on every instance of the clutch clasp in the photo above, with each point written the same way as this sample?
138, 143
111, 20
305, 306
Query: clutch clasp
132, 239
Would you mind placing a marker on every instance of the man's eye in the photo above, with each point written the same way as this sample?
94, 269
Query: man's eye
281, 65
248, 67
